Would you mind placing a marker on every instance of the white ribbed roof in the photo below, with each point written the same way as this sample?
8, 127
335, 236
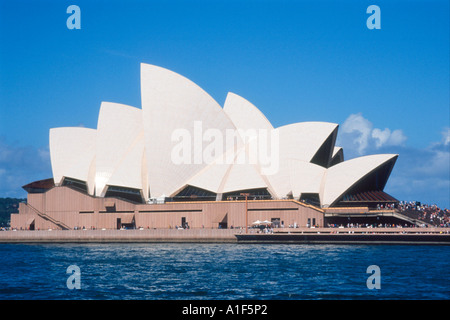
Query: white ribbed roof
336, 151
306, 177
299, 142
168, 144
211, 177
120, 147
244, 114
344, 175
302, 140
72, 154
171, 102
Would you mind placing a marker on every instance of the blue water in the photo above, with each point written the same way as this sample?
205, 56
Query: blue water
223, 271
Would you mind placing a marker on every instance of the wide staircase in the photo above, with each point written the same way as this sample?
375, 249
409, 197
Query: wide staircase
419, 216
412, 218
57, 223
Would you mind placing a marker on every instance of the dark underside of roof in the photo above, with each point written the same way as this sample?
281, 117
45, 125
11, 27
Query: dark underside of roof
369, 190
39, 186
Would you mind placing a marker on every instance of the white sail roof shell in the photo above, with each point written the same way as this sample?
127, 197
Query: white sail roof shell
301, 140
244, 114
211, 177
72, 154
134, 148
338, 156
344, 175
337, 151
306, 177
222, 177
298, 141
120, 148
170, 103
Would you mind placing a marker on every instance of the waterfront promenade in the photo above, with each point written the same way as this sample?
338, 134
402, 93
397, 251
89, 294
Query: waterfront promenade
111, 235
306, 235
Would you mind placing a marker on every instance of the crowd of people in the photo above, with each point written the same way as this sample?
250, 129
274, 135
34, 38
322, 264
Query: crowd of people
428, 213
369, 225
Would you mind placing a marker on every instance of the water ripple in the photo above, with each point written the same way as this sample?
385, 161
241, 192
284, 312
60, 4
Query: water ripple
223, 271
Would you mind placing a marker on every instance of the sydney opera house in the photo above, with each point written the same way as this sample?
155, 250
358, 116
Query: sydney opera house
184, 160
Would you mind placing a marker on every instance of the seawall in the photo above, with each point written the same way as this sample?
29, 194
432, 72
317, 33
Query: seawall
317, 238
298, 235
145, 235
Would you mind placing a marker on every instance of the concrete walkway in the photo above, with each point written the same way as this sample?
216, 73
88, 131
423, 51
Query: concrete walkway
145, 235
195, 235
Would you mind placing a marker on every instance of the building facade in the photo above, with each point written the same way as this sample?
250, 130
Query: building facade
68, 208
182, 159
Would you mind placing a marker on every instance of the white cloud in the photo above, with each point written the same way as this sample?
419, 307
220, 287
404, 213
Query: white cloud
397, 138
388, 138
381, 137
362, 127
358, 135
446, 137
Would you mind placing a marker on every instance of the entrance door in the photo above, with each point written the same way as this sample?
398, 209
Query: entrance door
275, 222
183, 222
119, 223
223, 225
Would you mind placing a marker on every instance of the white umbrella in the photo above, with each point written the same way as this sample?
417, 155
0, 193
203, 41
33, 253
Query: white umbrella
256, 222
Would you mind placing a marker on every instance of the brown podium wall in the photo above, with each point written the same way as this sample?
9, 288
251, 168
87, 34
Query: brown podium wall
76, 209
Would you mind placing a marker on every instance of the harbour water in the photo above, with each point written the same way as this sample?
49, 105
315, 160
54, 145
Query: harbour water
225, 271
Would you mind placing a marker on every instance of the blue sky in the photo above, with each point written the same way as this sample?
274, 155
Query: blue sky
388, 89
